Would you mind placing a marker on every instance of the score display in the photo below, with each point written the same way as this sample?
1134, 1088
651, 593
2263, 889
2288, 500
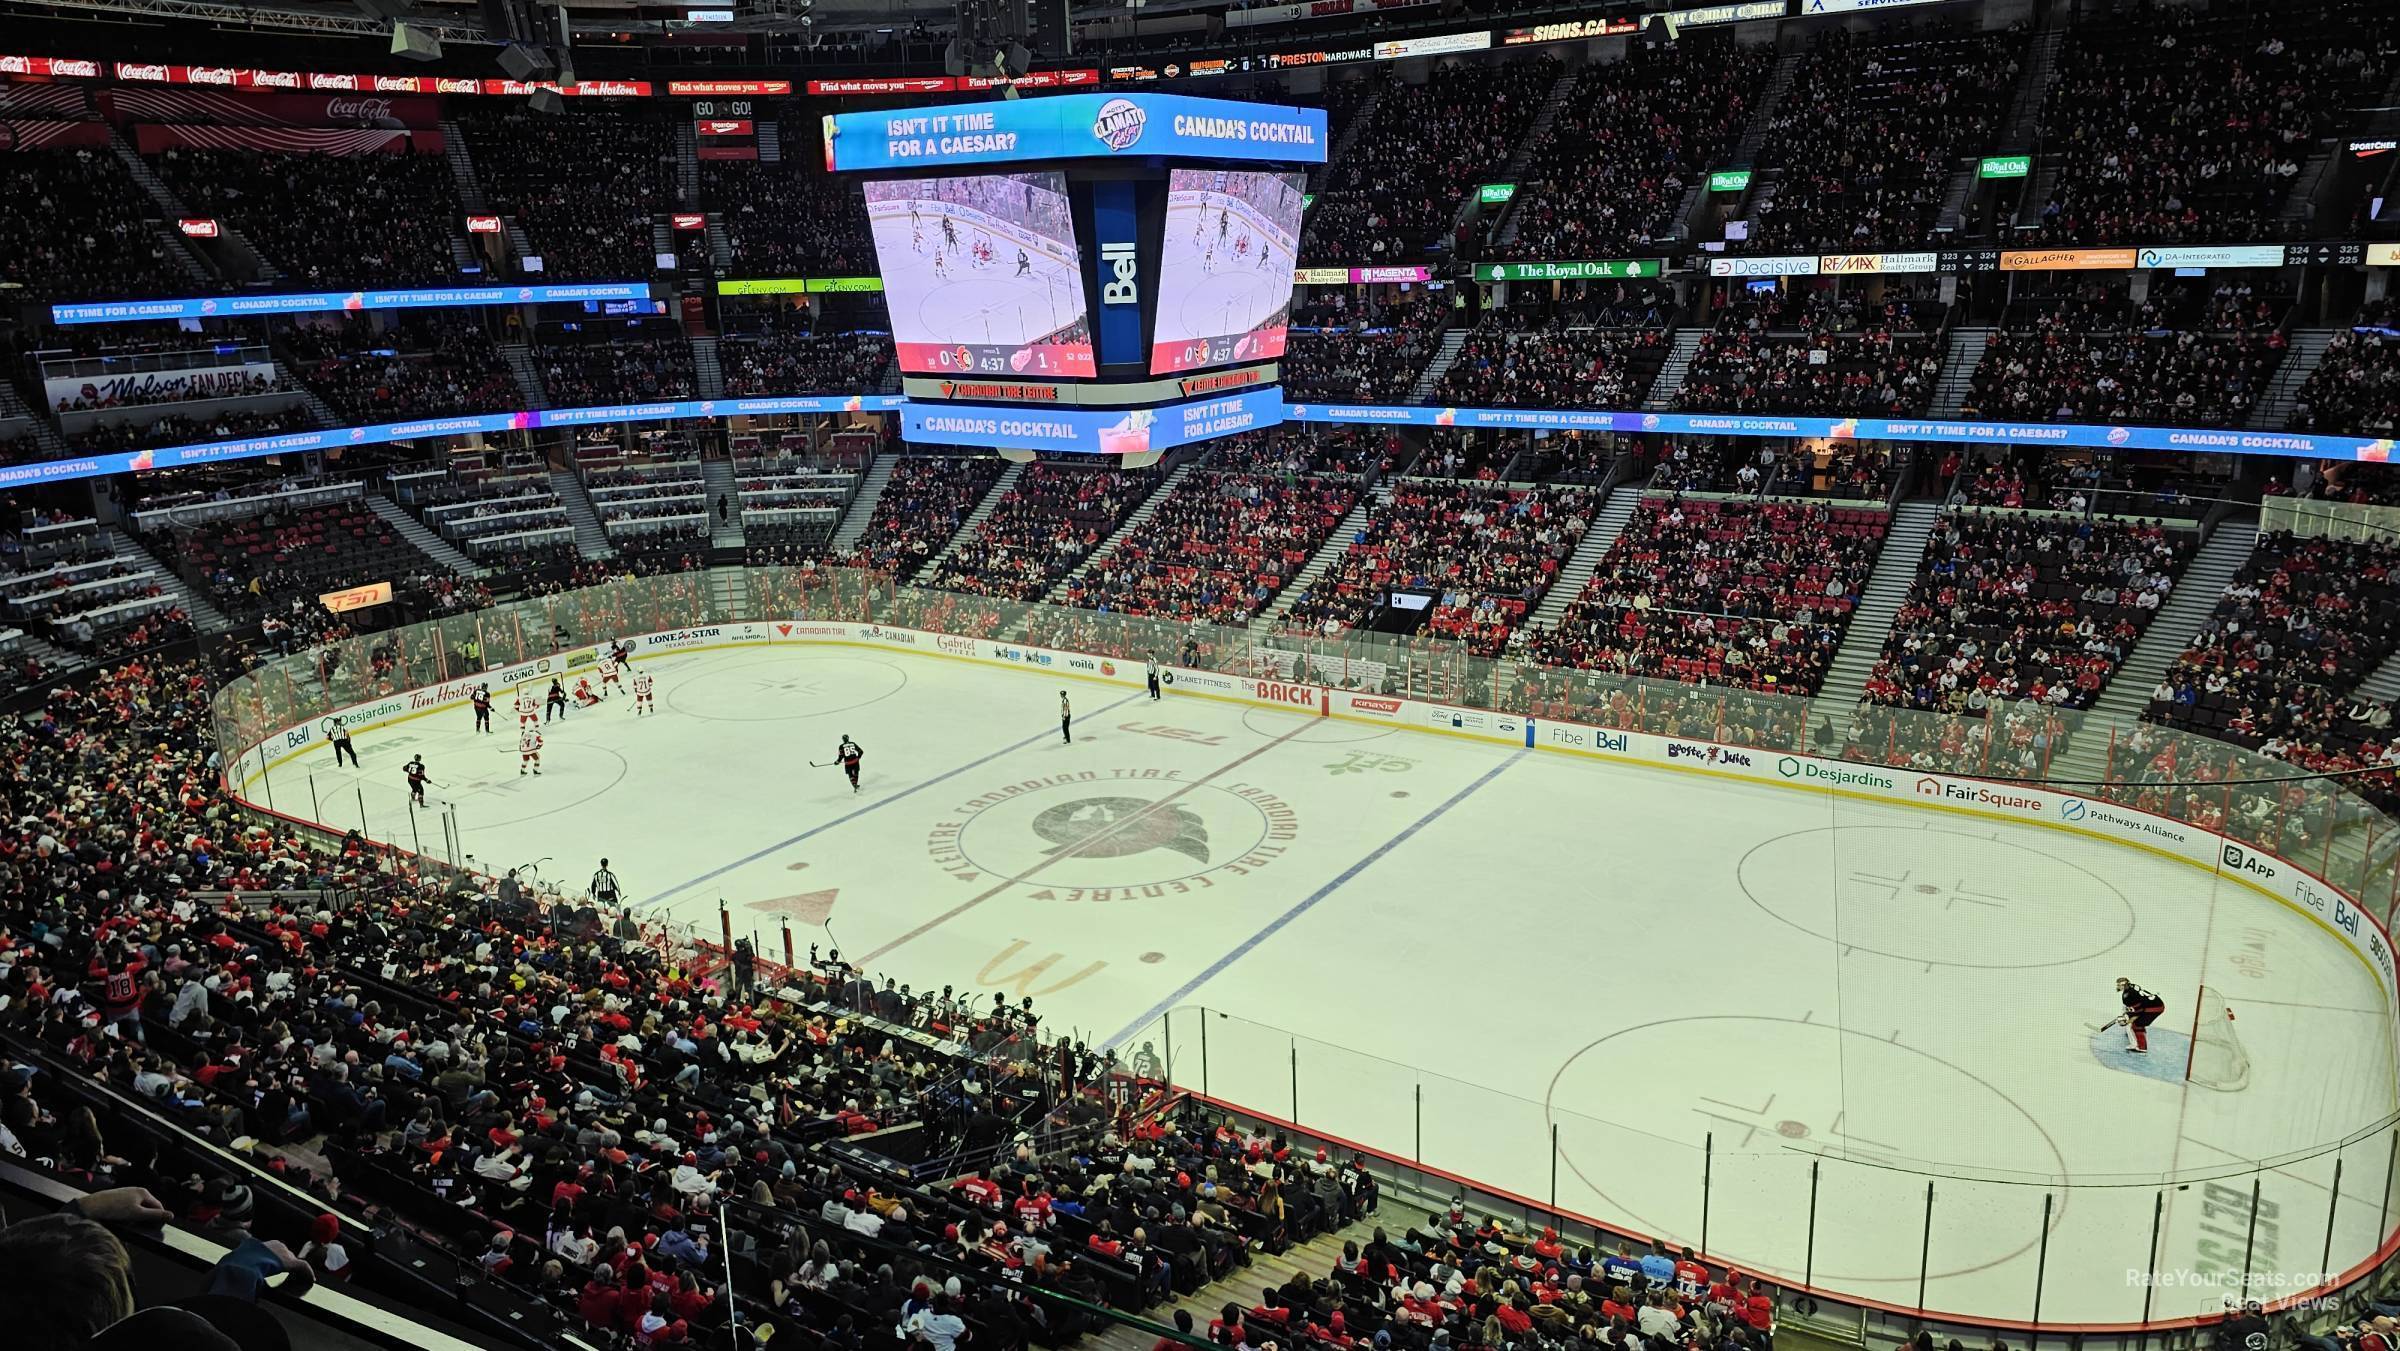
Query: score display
982, 275
1225, 268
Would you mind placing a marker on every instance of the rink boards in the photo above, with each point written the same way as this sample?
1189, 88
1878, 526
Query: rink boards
2225, 858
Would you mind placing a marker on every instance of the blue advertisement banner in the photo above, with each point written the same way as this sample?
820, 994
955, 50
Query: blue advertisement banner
1112, 431
1121, 279
2223, 440
1090, 431
1074, 126
319, 302
335, 438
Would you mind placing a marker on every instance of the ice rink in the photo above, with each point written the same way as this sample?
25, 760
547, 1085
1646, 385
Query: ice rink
1462, 953
939, 292
1207, 290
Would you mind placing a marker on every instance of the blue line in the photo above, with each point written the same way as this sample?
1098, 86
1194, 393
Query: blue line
813, 831
1276, 926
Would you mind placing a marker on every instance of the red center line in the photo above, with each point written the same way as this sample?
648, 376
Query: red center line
1078, 847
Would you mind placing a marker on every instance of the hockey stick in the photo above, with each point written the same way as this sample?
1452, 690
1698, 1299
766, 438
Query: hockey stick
823, 764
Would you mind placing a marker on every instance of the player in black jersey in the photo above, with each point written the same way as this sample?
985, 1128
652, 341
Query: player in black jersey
2142, 1008
850, 753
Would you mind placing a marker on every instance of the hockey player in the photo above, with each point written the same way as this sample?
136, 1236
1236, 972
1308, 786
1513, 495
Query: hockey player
610, 670
850, 753
641, 693
482, 699
1024, 264
415, 770
584, 698
555, 705
2142, 1008
529, 748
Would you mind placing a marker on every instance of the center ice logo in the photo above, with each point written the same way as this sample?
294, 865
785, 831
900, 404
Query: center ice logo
1113, 827
1119, 123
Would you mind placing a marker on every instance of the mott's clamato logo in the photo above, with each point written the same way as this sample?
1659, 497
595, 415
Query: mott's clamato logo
1119, 123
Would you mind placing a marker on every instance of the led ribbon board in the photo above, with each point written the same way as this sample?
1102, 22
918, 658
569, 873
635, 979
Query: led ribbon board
1951, 431
321, 302
1074, 126
1092, 431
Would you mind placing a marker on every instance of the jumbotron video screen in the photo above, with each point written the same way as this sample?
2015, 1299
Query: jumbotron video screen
1225, 268
982, 274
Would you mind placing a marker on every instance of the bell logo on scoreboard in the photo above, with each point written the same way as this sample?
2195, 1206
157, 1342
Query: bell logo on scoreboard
1117, 256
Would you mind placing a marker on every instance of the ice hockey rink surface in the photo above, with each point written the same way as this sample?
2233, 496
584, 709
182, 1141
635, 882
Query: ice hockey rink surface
960, 299
1227, 293
1448, 949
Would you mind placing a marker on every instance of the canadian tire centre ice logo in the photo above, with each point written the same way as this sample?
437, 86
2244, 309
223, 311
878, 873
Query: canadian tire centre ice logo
1126, 834
1119, 123
1113, 827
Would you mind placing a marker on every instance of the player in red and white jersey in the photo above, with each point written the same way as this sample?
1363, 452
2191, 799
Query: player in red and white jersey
584, 698
610, 669
529, 706
529, 748
641, 693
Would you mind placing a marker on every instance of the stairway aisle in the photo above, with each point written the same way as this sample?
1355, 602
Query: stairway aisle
1958, 369
206, 617
1429, 380
1623, 501
1133, 521
591, 538
426, 541
1895, 572
862, 504
1680, 350
2171, 630
724, 532
982, 512
1335, 545
2085, 759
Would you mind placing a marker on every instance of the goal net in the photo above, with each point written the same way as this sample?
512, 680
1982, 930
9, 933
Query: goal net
2217, 1059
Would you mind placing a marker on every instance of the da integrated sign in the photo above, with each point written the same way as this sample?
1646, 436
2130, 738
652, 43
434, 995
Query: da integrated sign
1091, 431
1075, 126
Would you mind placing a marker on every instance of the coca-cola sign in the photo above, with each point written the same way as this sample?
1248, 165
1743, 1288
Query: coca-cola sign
483, 225
367, 112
